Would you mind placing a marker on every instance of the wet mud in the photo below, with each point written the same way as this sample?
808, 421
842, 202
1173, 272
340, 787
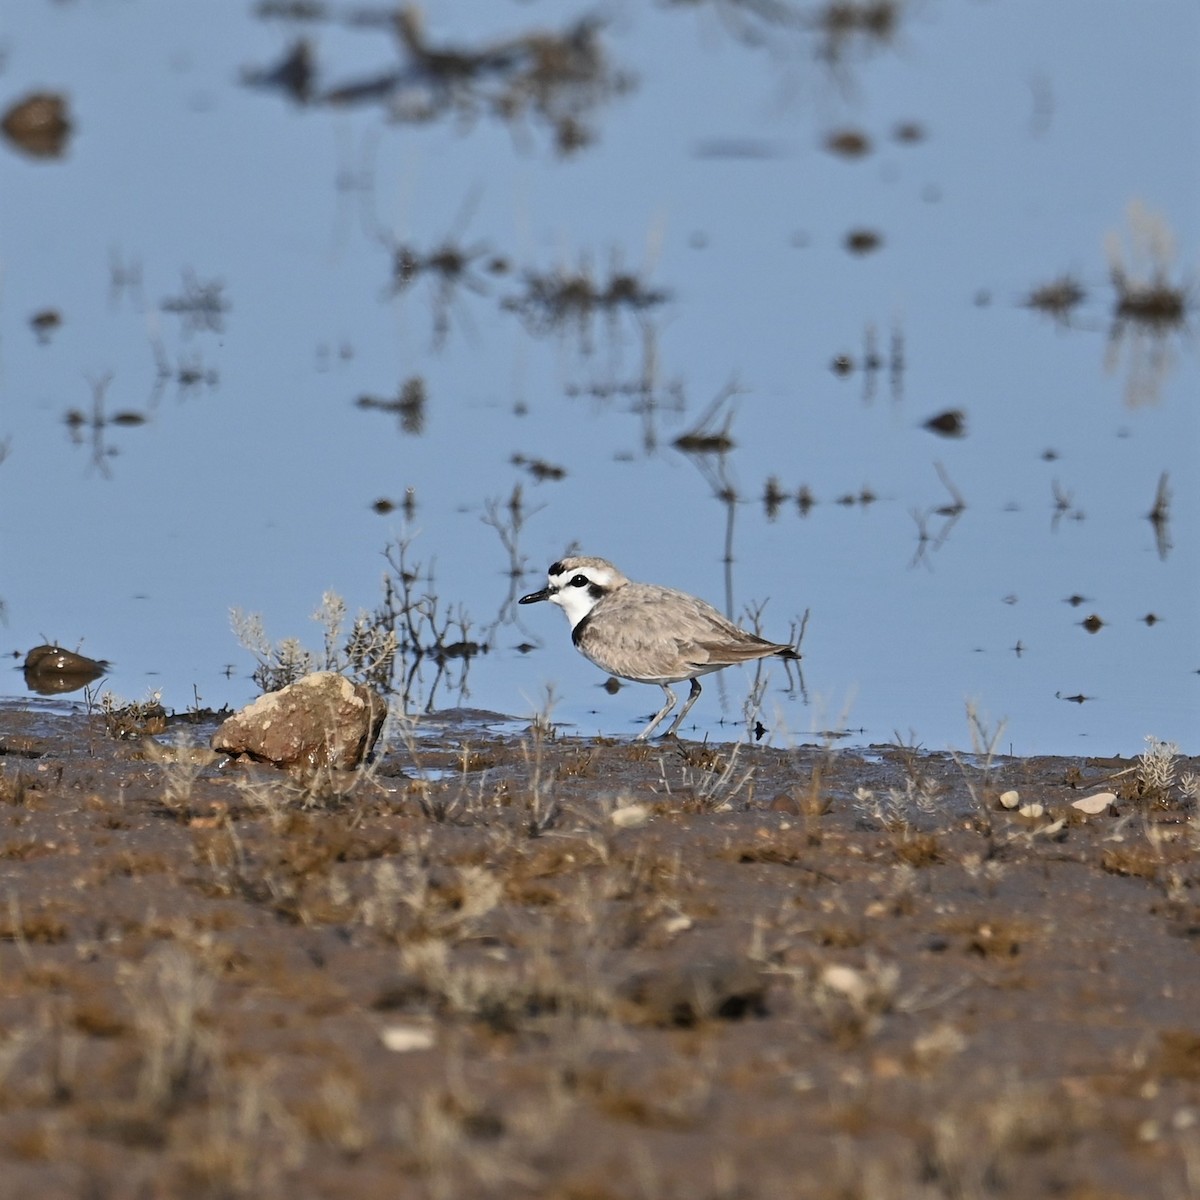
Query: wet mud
504, 963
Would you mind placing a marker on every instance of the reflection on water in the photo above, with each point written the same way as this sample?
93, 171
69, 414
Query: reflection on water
1149, 305
558, 78
1150, 309
726, 291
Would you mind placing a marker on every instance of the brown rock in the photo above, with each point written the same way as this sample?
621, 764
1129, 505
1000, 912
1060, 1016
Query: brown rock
322, 720
786, 802
50, 670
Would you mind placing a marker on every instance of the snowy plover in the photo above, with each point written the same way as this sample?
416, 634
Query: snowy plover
647, 633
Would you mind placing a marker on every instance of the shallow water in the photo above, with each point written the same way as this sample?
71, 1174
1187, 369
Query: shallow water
241, 270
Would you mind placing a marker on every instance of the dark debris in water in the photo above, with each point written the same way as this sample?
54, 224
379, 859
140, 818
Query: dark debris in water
408, 404
709, 436
856, 26
557, 77
909, 132
294, 74
773, 498
539, 468
863, 241
951, 423
408, 505
701, 442
201, 304
90, 428
1156, 303
1058, 298
848, 143
449, 267
561, 299
38, 124
44, 323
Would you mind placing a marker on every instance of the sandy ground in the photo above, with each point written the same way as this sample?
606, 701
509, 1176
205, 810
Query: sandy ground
498, 964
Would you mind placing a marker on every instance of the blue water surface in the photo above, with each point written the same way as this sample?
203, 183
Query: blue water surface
1010, 144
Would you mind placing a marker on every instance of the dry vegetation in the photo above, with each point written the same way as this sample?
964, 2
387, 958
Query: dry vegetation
528, 966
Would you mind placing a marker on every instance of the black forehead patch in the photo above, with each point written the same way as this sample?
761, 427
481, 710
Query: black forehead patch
556, 568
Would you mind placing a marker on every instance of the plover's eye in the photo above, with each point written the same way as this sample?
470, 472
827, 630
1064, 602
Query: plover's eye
580, 581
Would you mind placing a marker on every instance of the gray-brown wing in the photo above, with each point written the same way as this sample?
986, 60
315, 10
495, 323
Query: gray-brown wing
726, 653
711, 639
653, 633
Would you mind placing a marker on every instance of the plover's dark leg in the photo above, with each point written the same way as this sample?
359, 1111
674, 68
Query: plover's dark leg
683, 712
666, 708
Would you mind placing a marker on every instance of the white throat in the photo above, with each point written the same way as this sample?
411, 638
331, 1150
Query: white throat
576, 602
579, 587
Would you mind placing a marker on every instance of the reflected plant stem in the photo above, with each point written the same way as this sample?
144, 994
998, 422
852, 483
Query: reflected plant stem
509, 528
648, 386
951, 512
1160, 517
716, 475
729, 499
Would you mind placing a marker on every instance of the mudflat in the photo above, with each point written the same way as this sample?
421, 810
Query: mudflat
505, 963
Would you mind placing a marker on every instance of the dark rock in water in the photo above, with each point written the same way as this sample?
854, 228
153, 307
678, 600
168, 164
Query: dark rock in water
44, 322
951, 423
38, 124
51, 670
322, 720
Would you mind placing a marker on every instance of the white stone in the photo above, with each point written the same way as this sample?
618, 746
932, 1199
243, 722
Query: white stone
403, 1038
630, 816
1093, 804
